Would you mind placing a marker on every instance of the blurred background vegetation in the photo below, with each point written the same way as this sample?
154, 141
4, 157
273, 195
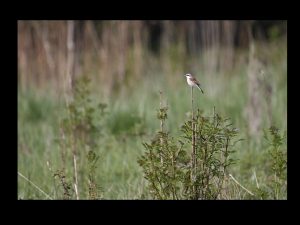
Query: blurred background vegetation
119, 52
242, 66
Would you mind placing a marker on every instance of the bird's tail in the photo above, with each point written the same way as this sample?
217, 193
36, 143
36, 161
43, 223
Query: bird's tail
200, 89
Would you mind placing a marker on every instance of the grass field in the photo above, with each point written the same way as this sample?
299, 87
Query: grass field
130, 120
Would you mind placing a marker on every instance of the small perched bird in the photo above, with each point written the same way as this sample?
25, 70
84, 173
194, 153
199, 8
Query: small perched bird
192, 81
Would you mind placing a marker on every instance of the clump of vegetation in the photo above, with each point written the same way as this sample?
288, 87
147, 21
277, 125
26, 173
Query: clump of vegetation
161, 162
67, 187
80, 130
276, 187
173, 172
279, 158
215, 138
94, 189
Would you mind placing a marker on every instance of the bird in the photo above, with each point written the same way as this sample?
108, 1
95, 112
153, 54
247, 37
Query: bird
192, 81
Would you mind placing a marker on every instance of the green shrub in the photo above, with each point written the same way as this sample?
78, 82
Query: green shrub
174, 172
80, 131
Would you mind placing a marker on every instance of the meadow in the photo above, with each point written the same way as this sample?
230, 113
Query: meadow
130, 119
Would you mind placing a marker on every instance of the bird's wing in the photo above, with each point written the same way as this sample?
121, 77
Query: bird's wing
194, 80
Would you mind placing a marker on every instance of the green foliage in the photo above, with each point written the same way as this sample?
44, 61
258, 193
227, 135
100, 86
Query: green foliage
162, 114
83, 117
215, 140
278, 155
67, 186
167, 163
162, 163
261, 193
275, 187
81, 129
94, 189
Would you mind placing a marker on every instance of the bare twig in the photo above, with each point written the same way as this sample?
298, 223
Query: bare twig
75, 175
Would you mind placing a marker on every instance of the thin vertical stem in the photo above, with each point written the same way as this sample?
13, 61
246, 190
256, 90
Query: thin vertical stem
193, 142
193, 136
157, 178
160, 104
276, 187
74, 153
75, 175
173, 167
214, 116
161, 128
